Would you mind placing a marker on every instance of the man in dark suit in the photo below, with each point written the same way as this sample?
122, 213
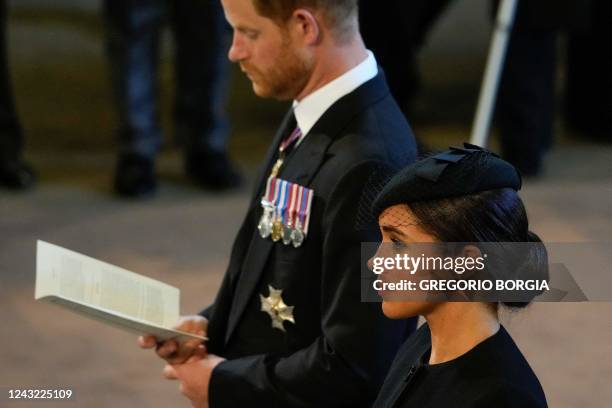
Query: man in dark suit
288, 327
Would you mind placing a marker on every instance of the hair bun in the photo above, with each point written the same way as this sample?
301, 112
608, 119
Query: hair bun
534, 266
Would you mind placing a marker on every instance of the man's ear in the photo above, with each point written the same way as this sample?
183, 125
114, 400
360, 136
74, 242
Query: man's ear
306, 25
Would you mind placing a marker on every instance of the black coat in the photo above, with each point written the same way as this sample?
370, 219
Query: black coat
339, 349
492, 374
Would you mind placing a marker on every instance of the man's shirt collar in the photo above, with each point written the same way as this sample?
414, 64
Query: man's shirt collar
310, 109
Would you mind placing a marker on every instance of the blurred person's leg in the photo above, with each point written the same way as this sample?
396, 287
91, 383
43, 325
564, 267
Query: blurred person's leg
588, 99
395, 30
14, 173
525, 104
133, 31
202, 42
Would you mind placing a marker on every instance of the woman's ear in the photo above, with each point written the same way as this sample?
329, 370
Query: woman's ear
471, 251
306, 26
473, 254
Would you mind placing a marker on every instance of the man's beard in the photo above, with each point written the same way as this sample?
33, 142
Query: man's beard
285, 80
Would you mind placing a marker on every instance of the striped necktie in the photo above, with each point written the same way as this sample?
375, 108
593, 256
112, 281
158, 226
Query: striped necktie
283, 148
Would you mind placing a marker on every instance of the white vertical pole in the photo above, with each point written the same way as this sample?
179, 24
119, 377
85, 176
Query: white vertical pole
495, 63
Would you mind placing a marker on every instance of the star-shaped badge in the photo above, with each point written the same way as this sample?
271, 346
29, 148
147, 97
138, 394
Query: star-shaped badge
276, 308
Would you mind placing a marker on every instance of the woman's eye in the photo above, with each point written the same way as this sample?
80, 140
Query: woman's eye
397, 244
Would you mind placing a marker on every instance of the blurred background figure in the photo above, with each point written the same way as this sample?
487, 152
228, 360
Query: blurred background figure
201, 41
588, 99
14, 172
525, 104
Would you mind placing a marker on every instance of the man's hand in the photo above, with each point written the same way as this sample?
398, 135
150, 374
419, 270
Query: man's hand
194, 377
175, 353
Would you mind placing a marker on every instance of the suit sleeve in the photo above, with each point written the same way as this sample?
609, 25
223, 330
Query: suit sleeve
346, 364
206, 312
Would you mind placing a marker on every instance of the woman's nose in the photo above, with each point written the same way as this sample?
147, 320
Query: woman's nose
371, 262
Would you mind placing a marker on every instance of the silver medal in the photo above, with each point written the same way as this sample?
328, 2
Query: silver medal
297, 235
287, 233
265, 222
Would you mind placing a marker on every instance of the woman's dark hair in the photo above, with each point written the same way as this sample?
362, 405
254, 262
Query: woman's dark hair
489, 216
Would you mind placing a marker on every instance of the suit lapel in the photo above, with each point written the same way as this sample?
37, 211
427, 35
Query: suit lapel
300, 167
303, 163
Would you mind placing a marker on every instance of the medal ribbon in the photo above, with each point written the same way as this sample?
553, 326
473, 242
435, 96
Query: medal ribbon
291, 221
283, 201
298, 211
269, 192
309, 194
278, 201
274, 195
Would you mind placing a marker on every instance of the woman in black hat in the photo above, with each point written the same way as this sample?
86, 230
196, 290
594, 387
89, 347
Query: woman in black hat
461, 356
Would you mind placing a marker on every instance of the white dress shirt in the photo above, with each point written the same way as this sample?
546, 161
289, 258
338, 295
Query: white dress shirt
310, 109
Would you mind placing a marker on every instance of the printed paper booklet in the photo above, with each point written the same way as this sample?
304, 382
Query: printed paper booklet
107, 293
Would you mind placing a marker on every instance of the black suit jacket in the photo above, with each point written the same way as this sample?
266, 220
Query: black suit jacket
339, 349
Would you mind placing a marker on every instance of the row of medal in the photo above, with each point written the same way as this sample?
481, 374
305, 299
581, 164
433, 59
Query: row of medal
286, 212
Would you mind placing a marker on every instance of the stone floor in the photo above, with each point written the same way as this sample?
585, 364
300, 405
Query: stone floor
183, 236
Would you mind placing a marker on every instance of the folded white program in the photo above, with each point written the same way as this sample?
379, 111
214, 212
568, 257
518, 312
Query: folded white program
107, 293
